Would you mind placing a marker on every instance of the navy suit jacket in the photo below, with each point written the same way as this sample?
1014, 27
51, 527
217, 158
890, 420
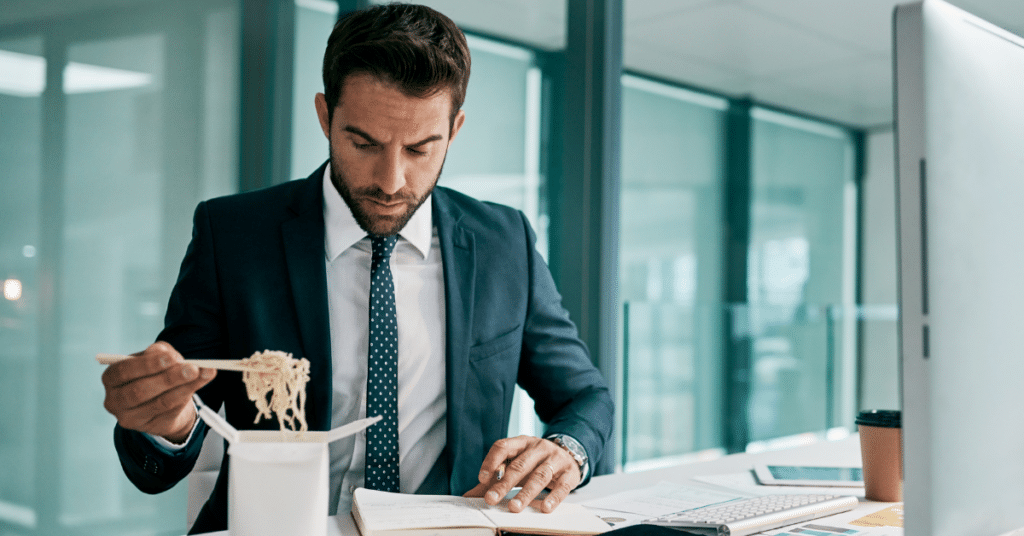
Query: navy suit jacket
254, 278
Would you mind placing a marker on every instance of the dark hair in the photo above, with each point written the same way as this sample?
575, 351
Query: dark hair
414, 47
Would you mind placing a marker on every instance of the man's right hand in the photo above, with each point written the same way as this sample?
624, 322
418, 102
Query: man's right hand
152, 392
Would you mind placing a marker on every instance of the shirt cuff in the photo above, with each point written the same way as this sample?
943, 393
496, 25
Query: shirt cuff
168, 447
575, 446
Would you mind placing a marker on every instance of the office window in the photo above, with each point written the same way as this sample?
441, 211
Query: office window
314, 20
21, 130
496, 156
104, 159
539, 24
798, 315
670, 271
801, 277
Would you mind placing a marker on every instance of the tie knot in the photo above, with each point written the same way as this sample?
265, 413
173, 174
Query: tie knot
382, 246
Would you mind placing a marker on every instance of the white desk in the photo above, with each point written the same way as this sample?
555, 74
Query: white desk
845, 452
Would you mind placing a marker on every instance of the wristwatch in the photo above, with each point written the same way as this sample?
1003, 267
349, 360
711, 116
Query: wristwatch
573, 447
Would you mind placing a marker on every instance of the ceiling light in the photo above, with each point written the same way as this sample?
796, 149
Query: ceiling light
12, 289
24, 75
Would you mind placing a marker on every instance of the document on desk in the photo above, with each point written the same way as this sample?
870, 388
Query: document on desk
661, 499
868, 519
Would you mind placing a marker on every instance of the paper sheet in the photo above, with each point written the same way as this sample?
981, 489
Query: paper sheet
567, 515
618, 520
397, 511
661, 499
887, 517
868, 519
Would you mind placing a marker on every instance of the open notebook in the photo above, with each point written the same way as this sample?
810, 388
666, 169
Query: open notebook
379, 513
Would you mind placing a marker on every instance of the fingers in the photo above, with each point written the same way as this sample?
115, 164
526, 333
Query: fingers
478, 491
152, 391
560, 489
155, 359
501, 451
555, 473
157, 411
534, 483
534, 464
175, 424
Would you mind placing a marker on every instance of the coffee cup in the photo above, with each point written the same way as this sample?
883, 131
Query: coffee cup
881, 450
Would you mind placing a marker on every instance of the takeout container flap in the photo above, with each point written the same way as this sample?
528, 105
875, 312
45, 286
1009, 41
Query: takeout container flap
233, 435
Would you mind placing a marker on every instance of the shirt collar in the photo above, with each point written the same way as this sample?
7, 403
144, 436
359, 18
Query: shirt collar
342, 231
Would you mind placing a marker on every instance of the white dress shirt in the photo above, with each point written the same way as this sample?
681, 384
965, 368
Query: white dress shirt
420, 308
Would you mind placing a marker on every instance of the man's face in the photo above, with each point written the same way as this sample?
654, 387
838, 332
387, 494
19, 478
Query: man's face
387, 149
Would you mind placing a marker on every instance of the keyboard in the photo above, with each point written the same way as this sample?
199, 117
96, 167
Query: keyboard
741, 517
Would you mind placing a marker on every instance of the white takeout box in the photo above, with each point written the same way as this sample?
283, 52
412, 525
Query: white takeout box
277, 482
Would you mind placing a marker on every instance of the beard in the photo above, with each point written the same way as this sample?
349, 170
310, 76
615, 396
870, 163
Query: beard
376, 225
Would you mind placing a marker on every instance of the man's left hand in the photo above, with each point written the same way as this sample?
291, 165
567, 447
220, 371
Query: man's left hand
530, 462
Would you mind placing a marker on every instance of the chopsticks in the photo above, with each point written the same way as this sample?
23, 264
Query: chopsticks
220, 364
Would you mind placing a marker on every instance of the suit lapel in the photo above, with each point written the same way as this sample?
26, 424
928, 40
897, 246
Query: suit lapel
458, 257
303, 238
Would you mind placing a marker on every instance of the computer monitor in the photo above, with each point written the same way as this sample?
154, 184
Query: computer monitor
960, 187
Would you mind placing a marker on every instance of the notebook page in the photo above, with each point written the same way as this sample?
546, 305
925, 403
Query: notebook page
382, 511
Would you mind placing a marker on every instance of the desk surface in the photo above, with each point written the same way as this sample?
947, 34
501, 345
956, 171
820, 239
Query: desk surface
845, 452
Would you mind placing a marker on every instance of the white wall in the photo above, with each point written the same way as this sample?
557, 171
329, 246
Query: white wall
880, 366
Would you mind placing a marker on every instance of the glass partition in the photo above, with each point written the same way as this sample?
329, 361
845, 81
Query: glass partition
798, 323
116, 123
801, 266
21, 130
496, 156
314, 20
670, 270
790, 396
537, 24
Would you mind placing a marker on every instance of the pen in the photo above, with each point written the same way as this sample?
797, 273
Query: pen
501, 471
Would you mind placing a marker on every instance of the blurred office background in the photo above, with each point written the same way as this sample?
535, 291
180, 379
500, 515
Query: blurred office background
710, 180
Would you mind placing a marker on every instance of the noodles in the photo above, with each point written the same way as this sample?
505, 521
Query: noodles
284, 379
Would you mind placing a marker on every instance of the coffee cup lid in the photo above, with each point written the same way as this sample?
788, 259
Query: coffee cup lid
883, 418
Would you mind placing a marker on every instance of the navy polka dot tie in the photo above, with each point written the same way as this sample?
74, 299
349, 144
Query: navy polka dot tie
382, 373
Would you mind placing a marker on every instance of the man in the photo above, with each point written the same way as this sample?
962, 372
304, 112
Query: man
295, 267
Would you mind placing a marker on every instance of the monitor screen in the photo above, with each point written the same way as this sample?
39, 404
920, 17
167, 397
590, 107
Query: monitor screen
960, 196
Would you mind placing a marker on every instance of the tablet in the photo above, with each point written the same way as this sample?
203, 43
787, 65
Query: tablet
796, 475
